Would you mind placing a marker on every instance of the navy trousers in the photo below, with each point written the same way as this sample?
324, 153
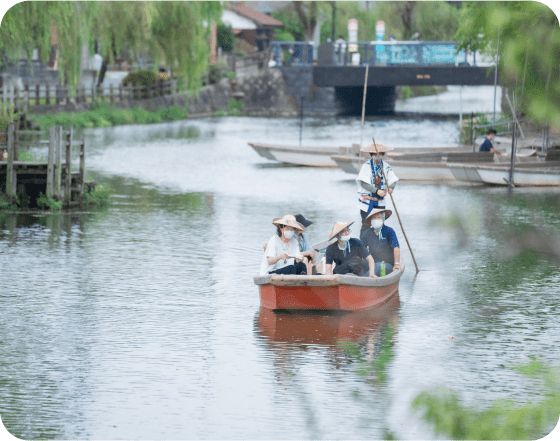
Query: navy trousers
297, 269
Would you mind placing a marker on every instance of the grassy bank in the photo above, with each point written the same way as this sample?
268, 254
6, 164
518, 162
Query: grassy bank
97, 196
106, 115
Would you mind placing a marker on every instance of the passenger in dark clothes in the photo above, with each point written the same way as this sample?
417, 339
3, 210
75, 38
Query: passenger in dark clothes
487, 146
348, 254
381, 242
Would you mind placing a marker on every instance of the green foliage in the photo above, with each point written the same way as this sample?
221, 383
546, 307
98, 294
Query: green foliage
170, 32
214, 73
46, 203
234, 104
503, 419
221, 113
231, 75
172, 113
226, 38
98, 196
27, 156
529, 43
7, 116
292, 30
140, 78
5, 203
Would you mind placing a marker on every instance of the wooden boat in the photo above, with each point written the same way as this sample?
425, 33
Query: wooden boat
429, 166
528, 174
325, 328
336, 292
297, 155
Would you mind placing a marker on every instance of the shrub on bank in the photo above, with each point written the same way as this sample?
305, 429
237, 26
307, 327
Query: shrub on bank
104, 115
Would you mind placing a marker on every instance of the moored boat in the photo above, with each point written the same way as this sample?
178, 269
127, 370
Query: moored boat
299, 155
527, 174
335, 292
429, 166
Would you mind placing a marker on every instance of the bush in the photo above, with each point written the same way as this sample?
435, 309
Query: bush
44, 202
172, 113
226, 38
234, 104
221, 113
140, 78
98, 196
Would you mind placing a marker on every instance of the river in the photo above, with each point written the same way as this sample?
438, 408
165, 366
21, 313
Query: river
140, 320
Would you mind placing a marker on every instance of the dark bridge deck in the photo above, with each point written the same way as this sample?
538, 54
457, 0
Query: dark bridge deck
405, 75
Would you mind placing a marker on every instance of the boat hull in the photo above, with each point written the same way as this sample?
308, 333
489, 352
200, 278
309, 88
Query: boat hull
527, 175
405, 170
329, 293
306, 156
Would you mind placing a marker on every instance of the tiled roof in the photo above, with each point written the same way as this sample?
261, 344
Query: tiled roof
252, 14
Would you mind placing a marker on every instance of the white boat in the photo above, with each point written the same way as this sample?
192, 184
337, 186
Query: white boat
526, 174
299, 155
418, 166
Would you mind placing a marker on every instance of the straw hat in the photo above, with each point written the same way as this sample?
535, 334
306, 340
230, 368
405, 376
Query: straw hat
338, 227
378, 210
288, 220
380, 148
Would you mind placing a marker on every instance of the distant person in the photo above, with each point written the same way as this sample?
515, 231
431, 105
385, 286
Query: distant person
282, 255
487, 146
392, 38
372, 188
381, 242
349, 255
340, 48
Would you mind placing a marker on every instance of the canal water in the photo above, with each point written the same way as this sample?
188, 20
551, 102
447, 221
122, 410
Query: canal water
140, 320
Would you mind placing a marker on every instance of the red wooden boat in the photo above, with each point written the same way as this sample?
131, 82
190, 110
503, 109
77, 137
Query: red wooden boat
336, 292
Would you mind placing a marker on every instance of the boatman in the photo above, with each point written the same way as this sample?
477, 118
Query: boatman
487, 146
372, 188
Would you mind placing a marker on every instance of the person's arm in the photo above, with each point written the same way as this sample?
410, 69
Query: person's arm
493, 150
328, 269
397, 263
273, 260
371, 264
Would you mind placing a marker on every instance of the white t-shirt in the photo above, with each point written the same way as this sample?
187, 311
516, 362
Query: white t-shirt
275, 247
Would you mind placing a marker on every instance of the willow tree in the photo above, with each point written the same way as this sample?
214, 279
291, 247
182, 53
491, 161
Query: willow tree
527, 37
38, 25
177, 33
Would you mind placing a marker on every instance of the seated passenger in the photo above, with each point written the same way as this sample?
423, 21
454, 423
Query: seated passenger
381, 241
282, 254
349, 255
304, 246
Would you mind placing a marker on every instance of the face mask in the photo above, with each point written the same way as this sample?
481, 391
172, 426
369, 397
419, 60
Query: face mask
289, 234
376, 223
345, 238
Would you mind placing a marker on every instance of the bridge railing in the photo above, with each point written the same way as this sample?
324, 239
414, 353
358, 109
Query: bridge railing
381, 53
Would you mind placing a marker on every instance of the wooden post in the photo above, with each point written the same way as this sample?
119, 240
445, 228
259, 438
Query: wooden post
82, 168
68, 189
11, 174
57, 94
120, 92
92, 93
58, 163
111, 92
37, 94
50, 164
48, 94
26, 97
101, 91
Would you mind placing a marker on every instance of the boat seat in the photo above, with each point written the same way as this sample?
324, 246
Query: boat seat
470, 157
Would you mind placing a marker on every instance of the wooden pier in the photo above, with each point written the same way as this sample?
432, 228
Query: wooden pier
54, 178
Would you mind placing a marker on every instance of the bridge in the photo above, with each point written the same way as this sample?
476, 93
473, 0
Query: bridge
391, 64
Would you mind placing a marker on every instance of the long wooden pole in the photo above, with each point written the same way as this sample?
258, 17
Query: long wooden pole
396, 211
364, 105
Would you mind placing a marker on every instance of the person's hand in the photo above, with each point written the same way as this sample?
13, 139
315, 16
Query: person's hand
390, 190
373, 276
397, 267
381, 193
283, 256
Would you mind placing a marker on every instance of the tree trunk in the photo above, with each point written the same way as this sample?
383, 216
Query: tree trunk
406, 10
307, 16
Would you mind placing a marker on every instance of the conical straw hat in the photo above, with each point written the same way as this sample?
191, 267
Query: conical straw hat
380, 148
338, 227
379, 210
288, 220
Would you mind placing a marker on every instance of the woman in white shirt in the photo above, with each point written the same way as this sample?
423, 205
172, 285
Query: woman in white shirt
282, 255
